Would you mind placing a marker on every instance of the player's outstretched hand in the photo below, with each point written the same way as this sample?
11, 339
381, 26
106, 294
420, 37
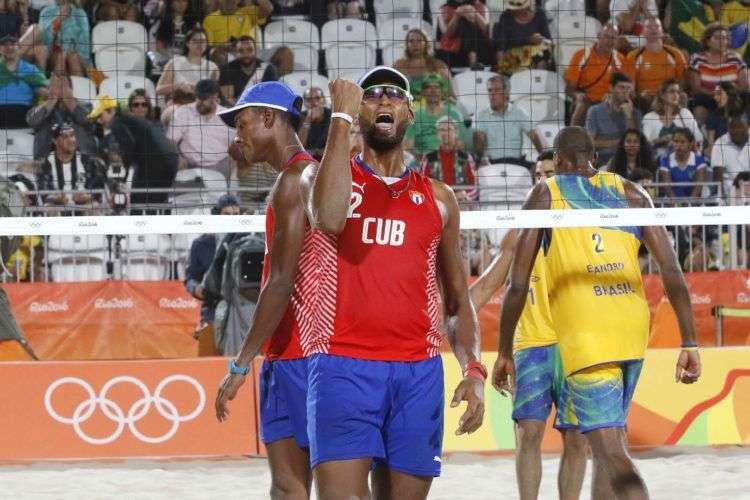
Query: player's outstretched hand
688, 367
471, 390
227, 391
346, 97
504, 375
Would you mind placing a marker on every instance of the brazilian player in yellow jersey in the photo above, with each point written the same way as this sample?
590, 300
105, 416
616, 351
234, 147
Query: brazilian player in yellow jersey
597, 303
540, 381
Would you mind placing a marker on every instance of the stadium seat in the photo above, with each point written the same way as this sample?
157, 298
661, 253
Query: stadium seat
158, 243
120, 86
548, 131
503, 184
118, 34
540, 93
349, 59
542, 107
495, 9
471, 89
144, 266
555, 8
291, 32
348, 31
16, 146
566, 48
386, 9
78, 267
122, 60
394, 30
393, 52
574, 26
83, 88
305, 57
300, 81
72, 244
435, 9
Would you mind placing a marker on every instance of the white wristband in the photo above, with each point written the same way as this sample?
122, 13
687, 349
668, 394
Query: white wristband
344, 116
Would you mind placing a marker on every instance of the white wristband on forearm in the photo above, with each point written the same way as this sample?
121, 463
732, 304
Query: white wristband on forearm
344, 116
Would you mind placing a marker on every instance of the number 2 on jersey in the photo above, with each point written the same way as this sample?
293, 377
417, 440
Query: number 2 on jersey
598, 242
354, 203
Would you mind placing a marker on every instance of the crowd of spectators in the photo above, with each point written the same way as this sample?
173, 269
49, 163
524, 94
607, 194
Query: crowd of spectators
665, 105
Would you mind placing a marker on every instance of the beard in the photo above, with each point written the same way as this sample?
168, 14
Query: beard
382, 143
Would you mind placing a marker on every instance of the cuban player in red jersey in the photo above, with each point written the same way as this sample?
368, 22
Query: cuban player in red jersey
266, 118
387, 240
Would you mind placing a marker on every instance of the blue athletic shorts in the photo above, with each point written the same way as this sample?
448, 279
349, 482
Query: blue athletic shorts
540, 383
389, 411
283, 396
601, 395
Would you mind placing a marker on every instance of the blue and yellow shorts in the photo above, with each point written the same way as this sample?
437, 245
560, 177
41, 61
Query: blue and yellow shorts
601, 395
540, 382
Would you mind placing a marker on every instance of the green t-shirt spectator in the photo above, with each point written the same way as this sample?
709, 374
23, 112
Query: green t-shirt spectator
424, 130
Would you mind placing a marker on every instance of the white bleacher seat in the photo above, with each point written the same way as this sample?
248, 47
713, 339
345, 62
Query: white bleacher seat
120, 86
348, 31
435, 9
495, 9
548, 131
291, 32
83, 88
78, 267
16, 145
536, 81
504, 185
300, 81
393, 52
542, 107
74, 244
148, 266
555, 8
385, 9
471, 89
305, 57
566, 48
349, 59
158, 243
123, 60
119, 34
394, 30
574, 26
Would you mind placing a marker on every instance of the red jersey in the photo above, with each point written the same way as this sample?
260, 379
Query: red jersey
375, 289
284, 343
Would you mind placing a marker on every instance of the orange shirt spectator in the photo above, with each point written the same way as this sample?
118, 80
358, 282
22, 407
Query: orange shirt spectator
655, 63
591, 69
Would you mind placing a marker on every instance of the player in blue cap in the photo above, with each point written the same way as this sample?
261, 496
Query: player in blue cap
266, 118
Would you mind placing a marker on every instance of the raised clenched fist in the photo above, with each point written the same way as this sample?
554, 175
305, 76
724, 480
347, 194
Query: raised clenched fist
346, 97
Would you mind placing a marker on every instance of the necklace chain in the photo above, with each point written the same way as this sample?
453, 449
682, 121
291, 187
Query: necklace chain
395, 193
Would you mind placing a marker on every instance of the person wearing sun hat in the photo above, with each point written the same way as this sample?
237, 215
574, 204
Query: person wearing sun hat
143, 146
522, 38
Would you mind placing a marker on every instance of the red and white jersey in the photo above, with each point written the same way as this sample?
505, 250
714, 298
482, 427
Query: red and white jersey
375, 290
285, 341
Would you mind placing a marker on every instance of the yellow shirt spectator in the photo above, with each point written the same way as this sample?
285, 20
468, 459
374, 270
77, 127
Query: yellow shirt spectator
220, 28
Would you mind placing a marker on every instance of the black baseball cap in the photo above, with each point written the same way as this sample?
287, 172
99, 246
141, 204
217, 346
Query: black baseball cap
385, 75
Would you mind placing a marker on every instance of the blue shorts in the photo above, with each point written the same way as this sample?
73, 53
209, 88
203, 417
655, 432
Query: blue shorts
540, 383
283, 396
601, 395
389, 411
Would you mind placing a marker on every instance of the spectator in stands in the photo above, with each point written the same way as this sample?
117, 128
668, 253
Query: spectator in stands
140, 105
419, 61
608, 120
590, 71
346, 9
630, 16
61, 41
201, 255
667, 116
715, 64
201, 137
655, 62
20, 83
14, 18
463, 33
117, 10
499, 131
143, 146
171, 28
283, 60
60, 107
245, 70
422, 136
316, 118
183, 72
730, 154
449, 163
728, 103
232, 21
67, 171
521, 38
633, 154
683, 165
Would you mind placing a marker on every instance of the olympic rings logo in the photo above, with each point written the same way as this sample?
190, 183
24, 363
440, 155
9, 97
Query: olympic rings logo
135, 413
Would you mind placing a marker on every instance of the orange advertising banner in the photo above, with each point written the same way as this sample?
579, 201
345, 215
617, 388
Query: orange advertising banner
106, 319
121, 409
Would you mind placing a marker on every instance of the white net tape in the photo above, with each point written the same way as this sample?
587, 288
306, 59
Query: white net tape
484, 219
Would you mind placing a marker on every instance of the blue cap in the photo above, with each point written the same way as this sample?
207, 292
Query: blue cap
274, 95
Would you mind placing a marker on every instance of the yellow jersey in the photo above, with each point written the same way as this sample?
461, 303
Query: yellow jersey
596, 294
534, 327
